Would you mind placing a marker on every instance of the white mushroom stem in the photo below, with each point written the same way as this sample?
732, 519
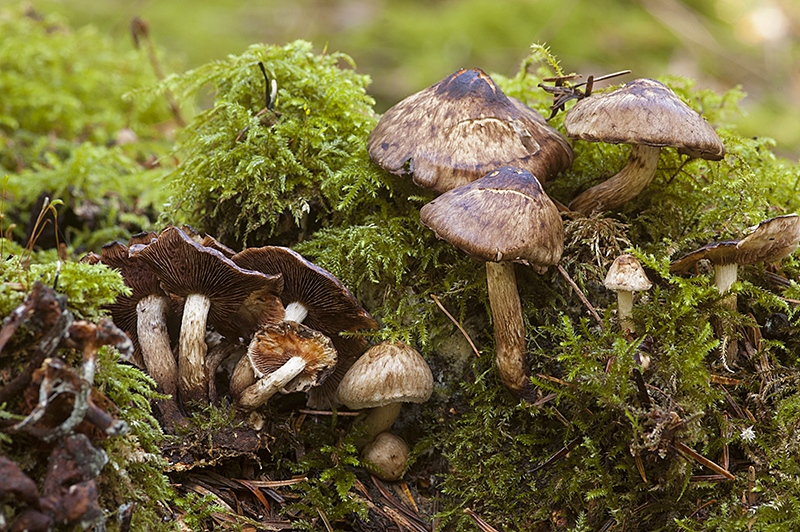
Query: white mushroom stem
244, 374
295, 312
151, 329
192, 348
380, 419
509, 329
724, 277
625, 309
622, 187
259, 393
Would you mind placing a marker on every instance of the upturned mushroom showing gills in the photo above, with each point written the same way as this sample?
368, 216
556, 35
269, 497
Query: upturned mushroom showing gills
214, 289
462, 128
625, 277
502, 218
316, 298
648, 115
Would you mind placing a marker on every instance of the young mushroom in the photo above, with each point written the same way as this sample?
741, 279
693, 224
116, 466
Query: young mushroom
383, 378
214, 289
648, 115
625, 277
386, 456
462, 128
502, 218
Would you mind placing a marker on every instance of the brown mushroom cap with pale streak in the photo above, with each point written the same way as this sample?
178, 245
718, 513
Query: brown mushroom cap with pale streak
461, 128
504, 216
644, 111
626, 273
331, 307
389, 372
770, 241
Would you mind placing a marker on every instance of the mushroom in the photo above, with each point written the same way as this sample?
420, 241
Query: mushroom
383, 378
144, 315
502, 218
625, 277
316, 298
648, 115
461, 128
286, 357
214, 288
386, 456
770, 241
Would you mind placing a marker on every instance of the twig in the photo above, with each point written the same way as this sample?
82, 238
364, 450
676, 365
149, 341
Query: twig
580, 295
691, 453
327, 413
460, 328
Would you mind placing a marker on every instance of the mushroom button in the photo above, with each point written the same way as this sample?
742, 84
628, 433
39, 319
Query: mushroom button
648, 115
214, 289
625, 277
386, 456
144, 317
502, 218
460, 129
382, 379
316, 298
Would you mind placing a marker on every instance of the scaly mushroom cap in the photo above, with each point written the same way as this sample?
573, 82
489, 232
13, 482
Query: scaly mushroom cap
643, 111
185, 267
274, 345
389, 454
331, 307
389, 372
627, 274
770, 241
503, 216
461, 128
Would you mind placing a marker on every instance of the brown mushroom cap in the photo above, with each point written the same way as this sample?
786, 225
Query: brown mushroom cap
273, 346
504, 216
461, 128
389, 372
643, 111
770, 241
389, 454
627, 274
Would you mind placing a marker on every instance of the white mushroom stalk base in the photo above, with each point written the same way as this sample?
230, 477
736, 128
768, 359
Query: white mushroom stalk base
622, 187
509, 329
259, 393
192, 349
151, 329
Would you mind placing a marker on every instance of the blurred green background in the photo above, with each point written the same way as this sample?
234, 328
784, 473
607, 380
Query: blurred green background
406, 45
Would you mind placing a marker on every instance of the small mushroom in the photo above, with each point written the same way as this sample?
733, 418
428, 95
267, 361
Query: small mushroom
625, 277
648, 115
214, 289
316, 298
461, 128
383, 378
386, 456
286, 357
502, 218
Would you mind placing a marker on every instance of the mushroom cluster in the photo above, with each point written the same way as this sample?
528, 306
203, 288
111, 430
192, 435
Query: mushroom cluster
286, 312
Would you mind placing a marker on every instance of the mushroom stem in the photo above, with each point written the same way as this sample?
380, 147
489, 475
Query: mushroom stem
260, 392
625, 309
724, 277
151, 329
622, 187
509, 329
192, 350
295, 312
380, 419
